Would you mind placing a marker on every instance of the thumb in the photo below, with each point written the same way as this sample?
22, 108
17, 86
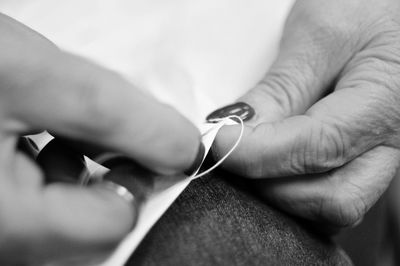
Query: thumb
352, 120
309, 60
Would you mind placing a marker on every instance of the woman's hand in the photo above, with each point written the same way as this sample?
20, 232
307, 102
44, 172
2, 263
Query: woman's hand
42, 87
327, 114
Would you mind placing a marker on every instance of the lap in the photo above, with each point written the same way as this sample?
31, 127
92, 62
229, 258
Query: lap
214, 222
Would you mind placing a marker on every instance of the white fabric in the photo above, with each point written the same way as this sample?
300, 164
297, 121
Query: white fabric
195, 55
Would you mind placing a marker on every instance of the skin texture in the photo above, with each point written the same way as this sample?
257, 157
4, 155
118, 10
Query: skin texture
324, 143
42, 87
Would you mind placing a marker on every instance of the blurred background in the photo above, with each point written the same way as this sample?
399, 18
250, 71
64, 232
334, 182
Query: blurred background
375, 241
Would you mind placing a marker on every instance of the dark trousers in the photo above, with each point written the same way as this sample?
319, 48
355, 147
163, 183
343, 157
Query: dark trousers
217, 221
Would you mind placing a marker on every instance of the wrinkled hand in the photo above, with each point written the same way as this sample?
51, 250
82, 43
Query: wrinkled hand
42, 87
327, 122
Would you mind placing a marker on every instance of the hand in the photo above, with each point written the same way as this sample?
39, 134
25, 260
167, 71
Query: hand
325, 137
42, 87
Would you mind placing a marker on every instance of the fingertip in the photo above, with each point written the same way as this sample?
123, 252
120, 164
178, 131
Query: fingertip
179, 145
128, 209
188, 148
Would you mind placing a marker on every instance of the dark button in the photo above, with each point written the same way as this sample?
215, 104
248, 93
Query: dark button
241, 109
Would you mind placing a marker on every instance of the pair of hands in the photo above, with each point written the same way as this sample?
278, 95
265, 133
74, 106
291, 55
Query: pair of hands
326, 124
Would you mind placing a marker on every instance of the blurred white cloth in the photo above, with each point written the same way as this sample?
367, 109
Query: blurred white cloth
195, 55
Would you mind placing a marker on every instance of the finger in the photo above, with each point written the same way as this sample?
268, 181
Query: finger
325, 138
299, 144
60, 220
73, 97
339, 198
356, 117
60, 163
309, 60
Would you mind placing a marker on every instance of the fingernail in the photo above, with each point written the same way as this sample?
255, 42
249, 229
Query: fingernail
133, 179
197, 162
241, 109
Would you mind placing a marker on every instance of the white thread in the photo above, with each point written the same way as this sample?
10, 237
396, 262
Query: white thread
226, 119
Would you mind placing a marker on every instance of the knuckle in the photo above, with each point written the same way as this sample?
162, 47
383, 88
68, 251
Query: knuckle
323, 150
375, 67
324, 33
376, 72
287, 85
322, 29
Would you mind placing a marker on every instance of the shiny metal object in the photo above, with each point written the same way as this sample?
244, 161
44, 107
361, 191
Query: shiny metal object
118, 189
